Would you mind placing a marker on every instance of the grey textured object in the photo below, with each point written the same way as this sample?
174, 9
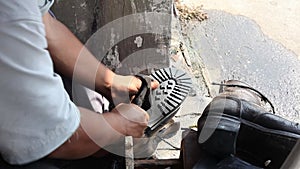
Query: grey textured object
175, 86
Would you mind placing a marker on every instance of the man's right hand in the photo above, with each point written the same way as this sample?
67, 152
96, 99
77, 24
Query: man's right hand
101, 130
130, 120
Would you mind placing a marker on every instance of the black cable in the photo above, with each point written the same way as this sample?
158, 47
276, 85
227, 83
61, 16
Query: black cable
162, 139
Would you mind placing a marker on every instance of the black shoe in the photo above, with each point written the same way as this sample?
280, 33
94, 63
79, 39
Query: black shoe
235, 122
164, 102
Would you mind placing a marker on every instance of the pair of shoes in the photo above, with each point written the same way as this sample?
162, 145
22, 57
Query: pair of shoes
164, 102
235, 122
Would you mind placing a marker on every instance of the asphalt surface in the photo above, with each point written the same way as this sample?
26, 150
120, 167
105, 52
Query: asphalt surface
279, 19
234, 47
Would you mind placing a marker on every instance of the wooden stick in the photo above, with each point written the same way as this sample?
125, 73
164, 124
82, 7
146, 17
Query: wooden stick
129, 156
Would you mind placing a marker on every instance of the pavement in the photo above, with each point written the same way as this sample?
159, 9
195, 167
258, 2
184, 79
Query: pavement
249, 40
278, 19
234, 47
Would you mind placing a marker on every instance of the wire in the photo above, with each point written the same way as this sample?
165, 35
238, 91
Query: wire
264, 98
162, 139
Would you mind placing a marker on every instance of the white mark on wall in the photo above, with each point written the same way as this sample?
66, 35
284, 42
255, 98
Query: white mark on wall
138, 41
83, 5
112, 60
113, 35
133, 7
83, 26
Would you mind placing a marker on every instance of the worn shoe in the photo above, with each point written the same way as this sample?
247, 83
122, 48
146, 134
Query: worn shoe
235, 122
161, 104
164, 102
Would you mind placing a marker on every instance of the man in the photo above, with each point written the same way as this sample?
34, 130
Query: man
38, 119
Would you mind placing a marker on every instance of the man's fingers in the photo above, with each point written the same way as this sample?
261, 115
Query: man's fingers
138, 83
141, 110
133, 113
135, 119
154, 84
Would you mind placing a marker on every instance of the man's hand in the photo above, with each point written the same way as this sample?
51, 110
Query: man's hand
129, 120
101, 130
123, 88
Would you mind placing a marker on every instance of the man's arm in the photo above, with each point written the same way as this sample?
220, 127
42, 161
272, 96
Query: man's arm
96, 130
65, 50
99, 130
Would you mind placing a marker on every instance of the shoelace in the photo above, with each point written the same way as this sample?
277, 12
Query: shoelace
263, 97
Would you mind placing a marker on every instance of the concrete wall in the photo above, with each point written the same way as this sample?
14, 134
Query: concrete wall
85, 17
78, 15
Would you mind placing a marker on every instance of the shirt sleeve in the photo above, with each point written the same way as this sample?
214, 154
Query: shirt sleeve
37, 115
45, 5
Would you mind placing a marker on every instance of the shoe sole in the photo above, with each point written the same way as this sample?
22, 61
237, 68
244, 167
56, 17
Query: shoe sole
175, 86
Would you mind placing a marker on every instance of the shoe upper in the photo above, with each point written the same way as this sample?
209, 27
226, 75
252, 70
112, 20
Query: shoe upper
247, 105
238, 124
247, 111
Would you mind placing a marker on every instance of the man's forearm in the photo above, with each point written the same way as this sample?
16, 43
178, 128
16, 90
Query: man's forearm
73, 60
95, 132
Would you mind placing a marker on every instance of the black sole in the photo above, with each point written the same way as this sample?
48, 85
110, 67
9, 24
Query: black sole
175, 86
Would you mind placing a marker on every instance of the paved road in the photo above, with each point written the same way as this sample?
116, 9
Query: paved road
234, 47
278, 19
